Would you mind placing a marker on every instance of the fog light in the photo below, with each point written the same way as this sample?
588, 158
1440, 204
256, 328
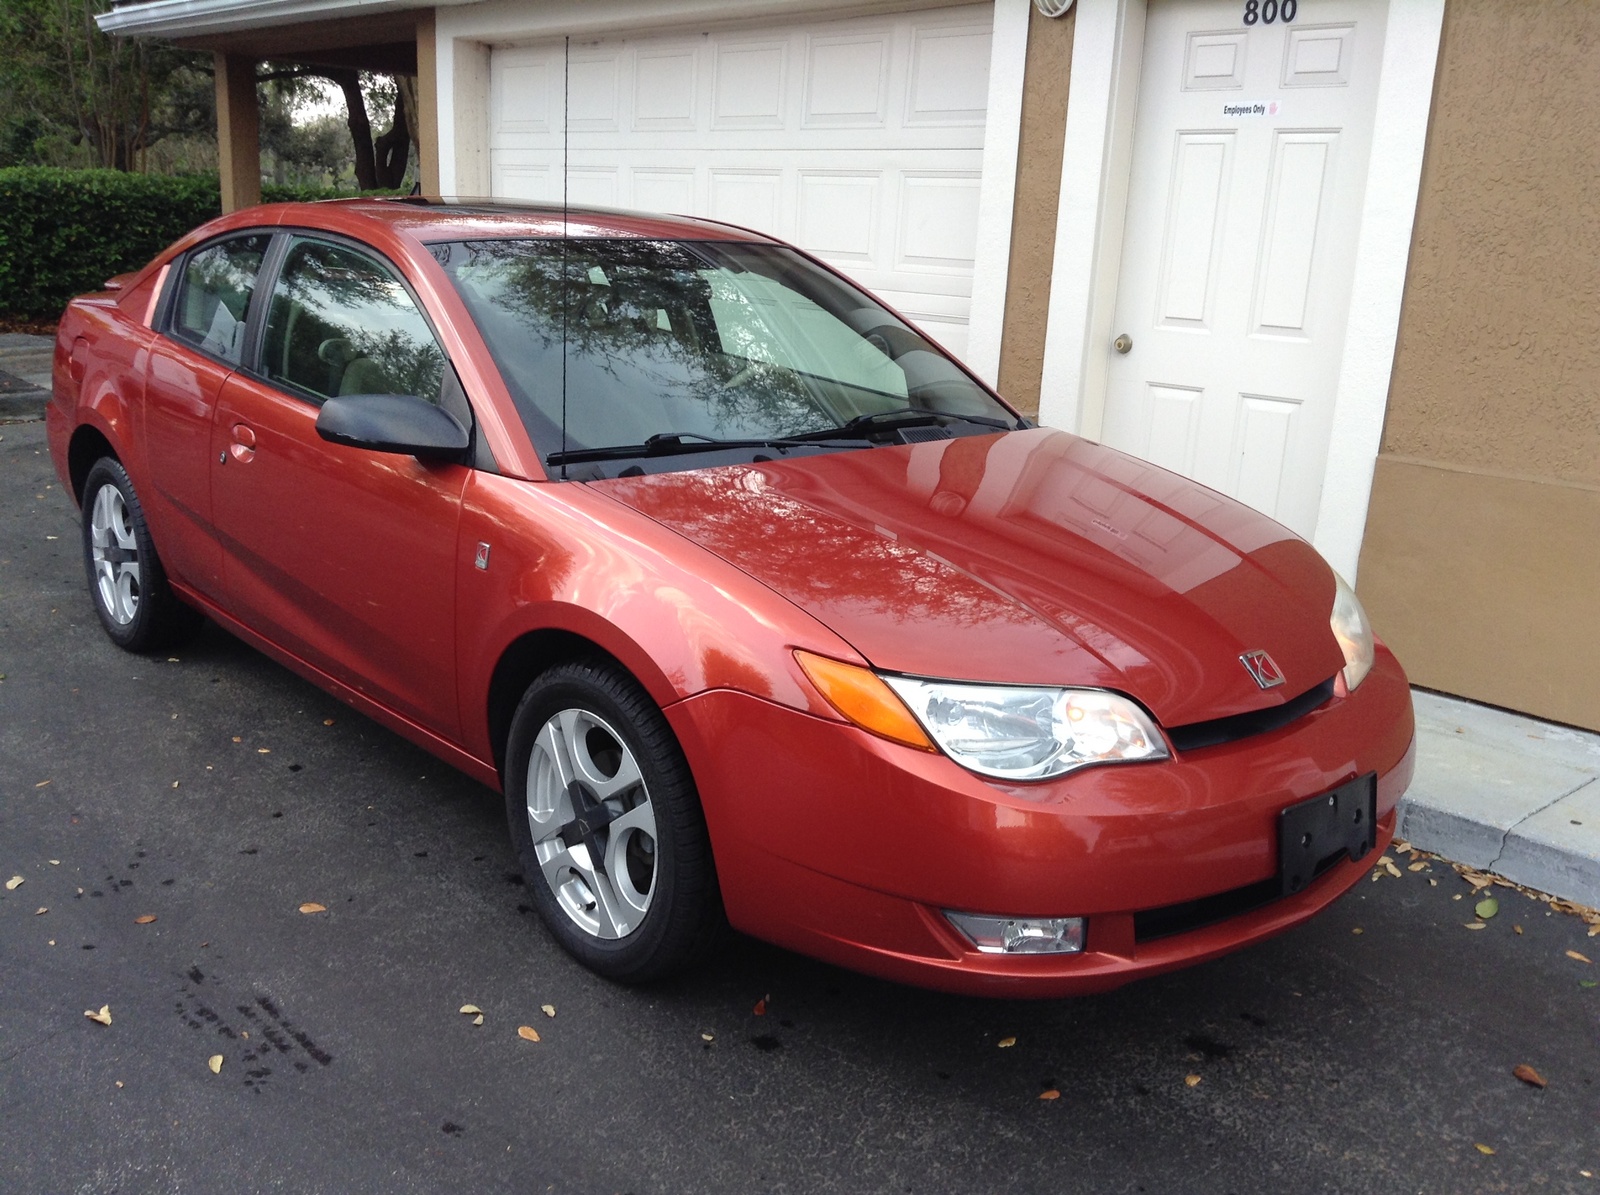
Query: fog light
1021, 935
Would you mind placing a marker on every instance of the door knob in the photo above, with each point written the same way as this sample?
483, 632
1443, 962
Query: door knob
1122, 343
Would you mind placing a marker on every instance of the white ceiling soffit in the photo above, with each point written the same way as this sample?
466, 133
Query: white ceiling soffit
193, 18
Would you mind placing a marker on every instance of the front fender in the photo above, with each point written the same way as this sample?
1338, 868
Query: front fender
563, 557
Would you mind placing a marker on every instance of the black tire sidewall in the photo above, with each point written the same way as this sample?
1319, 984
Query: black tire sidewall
665, 940
161, 619
108, 472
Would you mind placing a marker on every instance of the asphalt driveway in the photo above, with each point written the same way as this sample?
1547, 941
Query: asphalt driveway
216, 793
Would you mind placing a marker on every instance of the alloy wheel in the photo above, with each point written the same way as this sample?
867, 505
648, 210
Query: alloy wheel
593, 824
116, 555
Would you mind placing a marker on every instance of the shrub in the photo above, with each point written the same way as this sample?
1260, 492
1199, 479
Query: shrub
64, 232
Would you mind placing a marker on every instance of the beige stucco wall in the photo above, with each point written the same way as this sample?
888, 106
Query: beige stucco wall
1033, 229
1481, 563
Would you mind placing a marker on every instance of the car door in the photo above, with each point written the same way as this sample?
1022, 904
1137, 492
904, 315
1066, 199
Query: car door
342, 556
200, 346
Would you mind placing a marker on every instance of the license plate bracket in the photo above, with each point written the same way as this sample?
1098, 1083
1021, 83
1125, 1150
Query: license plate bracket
1313, 833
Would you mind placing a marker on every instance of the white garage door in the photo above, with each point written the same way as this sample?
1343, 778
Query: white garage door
859, 140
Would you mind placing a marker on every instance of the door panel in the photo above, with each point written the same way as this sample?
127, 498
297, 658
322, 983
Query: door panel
345, 557
187, 367
1249, 173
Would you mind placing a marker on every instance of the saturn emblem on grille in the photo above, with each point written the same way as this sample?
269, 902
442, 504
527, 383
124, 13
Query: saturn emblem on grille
1263, 669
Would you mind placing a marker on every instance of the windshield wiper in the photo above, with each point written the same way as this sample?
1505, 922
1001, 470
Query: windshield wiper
862, 425
679, 443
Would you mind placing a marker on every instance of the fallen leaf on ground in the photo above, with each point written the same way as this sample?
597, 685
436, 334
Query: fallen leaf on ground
1582, 983
1593, 930
1358, 930
237, 739
527, 1033
1420, 865
119, 1082
41, 909
1516, 929
174, 784
103, 1017
14, 883
54, 862
1482, 1148
1052, 1094
263, 750
708, 1037
1191, 1080
470, 1010
215, 1063
41, 784
312, 906
760, 1009
1391, 869
1005, 1043
327, 721
1476, 925
145, 919
478, 1020
549, 1010
1528, 1075
1573, 954
1487, 907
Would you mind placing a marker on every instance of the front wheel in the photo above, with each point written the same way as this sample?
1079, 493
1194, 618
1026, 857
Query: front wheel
607, 825
129, 587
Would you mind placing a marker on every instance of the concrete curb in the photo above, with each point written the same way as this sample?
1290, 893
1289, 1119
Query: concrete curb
24, 376
1506, 794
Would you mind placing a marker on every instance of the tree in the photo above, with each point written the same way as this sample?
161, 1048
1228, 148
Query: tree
58, 71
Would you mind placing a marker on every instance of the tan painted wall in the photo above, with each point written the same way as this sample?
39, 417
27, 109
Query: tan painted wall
1033, 229
1481, 564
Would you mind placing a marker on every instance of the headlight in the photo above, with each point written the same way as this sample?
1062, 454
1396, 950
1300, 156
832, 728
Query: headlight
1354, 633
1029, 734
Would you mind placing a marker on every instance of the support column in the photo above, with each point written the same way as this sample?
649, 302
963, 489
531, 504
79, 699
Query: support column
238, 132
427, 104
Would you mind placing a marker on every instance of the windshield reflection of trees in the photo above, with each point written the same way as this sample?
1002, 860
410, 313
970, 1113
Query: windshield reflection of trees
338, 308
816, 557
645, 353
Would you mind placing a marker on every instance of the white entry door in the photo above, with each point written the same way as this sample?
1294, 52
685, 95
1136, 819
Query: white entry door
860, 140
1249, 171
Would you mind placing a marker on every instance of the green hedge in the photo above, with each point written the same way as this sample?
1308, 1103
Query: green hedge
64, 232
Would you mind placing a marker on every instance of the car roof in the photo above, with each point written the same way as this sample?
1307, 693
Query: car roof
451, 219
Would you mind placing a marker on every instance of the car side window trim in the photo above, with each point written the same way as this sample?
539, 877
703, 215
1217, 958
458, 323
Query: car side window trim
480, 457
177, 275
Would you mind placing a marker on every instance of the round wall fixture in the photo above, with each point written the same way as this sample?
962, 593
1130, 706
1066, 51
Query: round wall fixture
1053, 8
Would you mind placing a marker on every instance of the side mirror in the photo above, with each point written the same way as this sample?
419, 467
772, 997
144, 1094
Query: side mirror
397, 423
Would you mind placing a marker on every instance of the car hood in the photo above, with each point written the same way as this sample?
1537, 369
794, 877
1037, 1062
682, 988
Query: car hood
1030, 557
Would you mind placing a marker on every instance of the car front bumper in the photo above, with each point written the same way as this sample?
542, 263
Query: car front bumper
846, 847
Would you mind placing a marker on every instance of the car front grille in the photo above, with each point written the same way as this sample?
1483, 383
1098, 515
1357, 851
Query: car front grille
1196, 735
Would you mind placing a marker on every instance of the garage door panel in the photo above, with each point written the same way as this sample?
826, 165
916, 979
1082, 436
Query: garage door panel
860, 140
847, 81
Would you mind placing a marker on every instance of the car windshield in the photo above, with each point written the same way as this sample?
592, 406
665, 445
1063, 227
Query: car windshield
686, 344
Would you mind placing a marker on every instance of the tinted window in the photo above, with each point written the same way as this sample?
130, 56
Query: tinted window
215, 294
712, 340
341, 323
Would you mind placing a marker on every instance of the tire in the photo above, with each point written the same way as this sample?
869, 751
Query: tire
594, 771
126, 581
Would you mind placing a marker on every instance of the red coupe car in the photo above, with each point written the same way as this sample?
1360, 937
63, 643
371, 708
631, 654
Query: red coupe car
758, 607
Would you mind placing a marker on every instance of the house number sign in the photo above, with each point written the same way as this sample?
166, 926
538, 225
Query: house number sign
1268, 11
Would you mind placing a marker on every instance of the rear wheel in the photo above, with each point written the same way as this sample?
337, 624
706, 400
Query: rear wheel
126, 581
607, 825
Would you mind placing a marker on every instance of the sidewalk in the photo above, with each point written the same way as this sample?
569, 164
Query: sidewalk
24, 375
1507, 794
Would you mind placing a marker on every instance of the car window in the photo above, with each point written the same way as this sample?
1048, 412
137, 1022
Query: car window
342, 323
214, 294
692, 338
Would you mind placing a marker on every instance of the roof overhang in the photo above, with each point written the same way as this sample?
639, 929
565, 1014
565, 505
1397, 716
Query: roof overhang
184, 19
